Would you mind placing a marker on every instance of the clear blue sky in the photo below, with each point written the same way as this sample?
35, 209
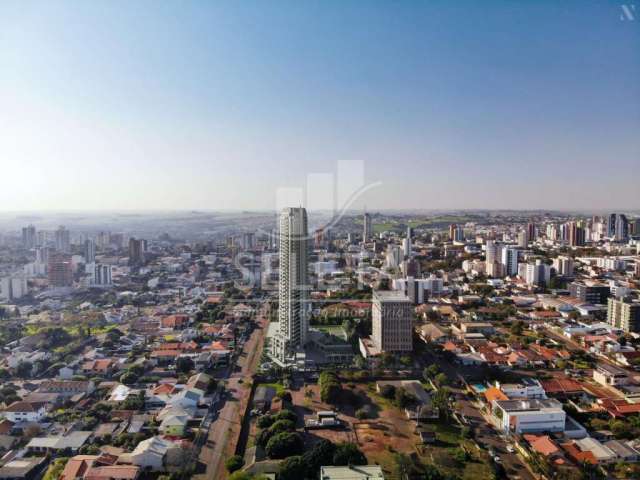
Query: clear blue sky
208, 105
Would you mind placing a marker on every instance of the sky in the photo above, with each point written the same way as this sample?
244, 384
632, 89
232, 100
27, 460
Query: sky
208, 105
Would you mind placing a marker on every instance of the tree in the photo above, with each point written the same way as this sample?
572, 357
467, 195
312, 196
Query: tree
403, 398
184, 365
292, 468
129, 378
234, 463
320, 454
403, 465
432, 473
430, 371
23, 370
348, 454
282, 426
330, 387
286, 415
388, 391
440, 400
284, 445
241, 476
265, 421
441, 379
517, 328
55, 469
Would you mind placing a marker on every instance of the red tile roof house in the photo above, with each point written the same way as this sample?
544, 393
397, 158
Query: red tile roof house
562, 387
543, 445
176, 322
19, 412
103, 367
94, 467
619, 408
163, 357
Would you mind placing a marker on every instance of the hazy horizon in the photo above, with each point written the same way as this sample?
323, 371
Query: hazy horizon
228, 106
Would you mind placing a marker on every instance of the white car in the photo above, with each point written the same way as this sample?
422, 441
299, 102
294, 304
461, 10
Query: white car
510, 449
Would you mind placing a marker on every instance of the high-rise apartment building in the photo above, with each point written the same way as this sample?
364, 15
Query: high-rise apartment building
456, 233
293, 308
29, 238
523, 239
137, 249
367, 231
531, 231
537, 273
102, 276
509, 261
63, 240
60, 270
624, 314
577, 235
563, 265
89, 251
617, 227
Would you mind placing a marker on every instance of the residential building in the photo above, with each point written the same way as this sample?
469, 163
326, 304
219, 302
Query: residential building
624, 314
367, 232
60, 270
293, 307
529, 416
29, 238
63, 240
610, 376
537, 273
509, 261
137, 249
22, 411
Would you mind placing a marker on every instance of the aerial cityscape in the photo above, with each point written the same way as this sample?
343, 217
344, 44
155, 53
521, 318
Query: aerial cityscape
319, 240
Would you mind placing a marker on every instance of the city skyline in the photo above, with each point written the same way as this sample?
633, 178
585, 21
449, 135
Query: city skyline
218, 107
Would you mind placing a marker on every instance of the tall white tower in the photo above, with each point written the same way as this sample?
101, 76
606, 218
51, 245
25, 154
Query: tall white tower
367, 229
293, 310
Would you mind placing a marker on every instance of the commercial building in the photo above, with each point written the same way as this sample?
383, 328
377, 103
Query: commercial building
392, 321
590, 292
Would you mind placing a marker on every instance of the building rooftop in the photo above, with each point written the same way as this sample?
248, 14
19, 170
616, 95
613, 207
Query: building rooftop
390, 296
529, 405
364, 472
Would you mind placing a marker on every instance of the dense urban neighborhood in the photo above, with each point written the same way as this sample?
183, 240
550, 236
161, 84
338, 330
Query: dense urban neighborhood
398, 346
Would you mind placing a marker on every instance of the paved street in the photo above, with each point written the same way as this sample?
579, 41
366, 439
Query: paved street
225, 428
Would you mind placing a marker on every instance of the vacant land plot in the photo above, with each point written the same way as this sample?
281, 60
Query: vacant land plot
454, 455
